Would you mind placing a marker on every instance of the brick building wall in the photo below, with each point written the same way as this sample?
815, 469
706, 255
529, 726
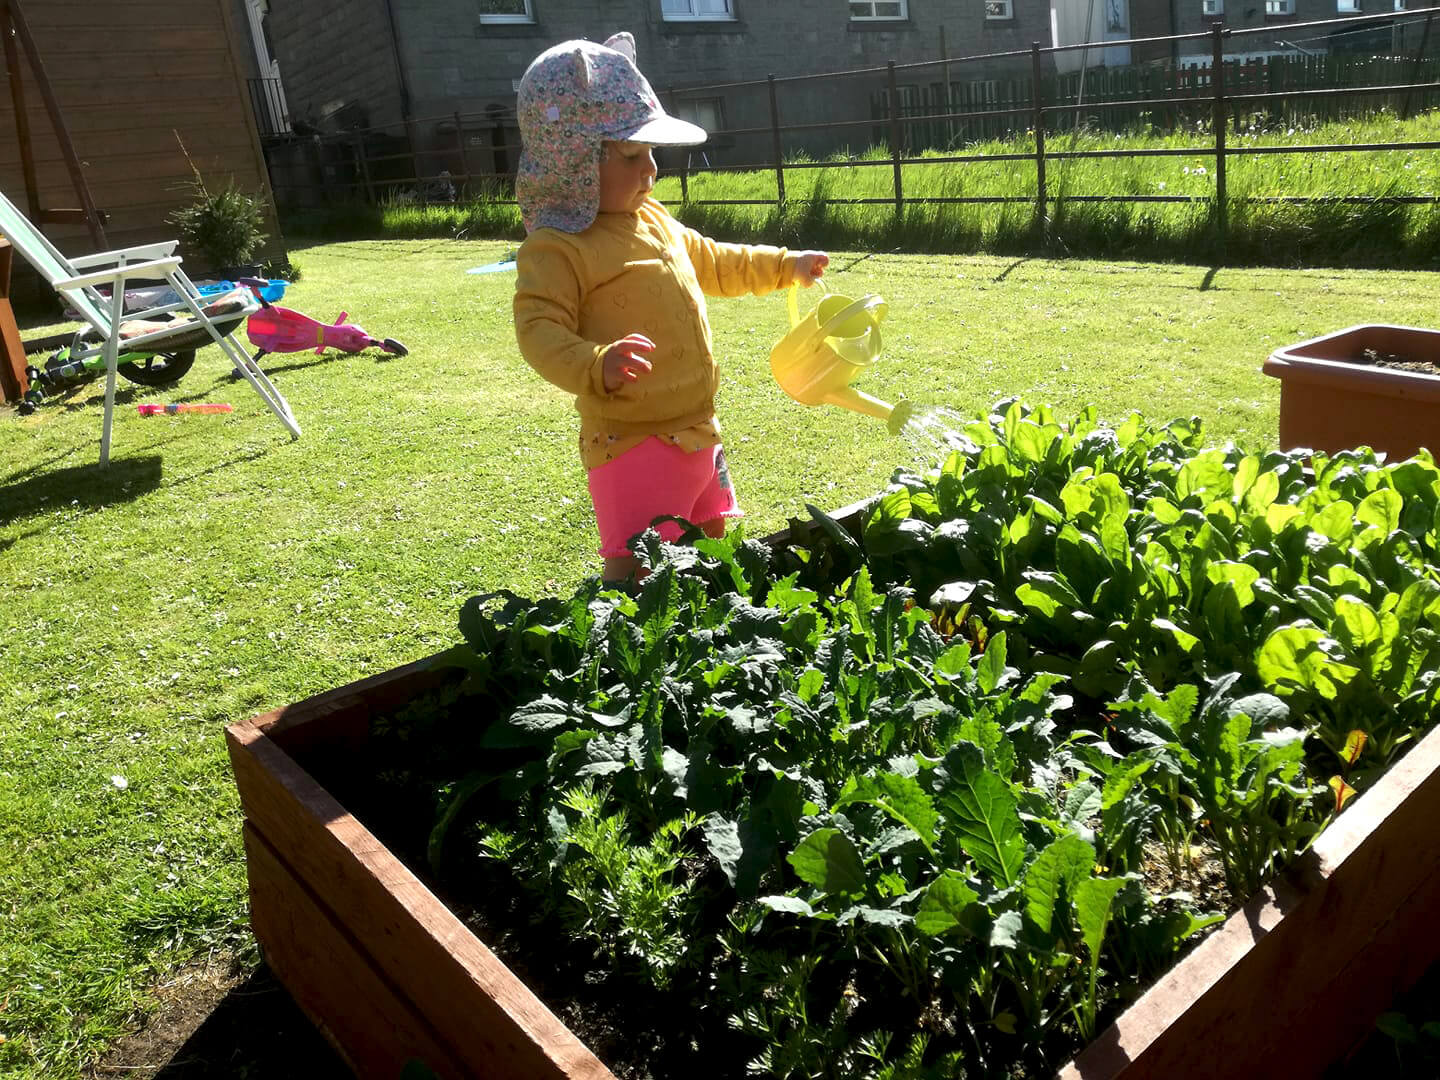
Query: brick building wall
338, 59
454, 62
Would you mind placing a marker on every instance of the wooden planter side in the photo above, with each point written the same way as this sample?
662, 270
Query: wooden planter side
1295, 979
341, 919
384, 970
1330, 402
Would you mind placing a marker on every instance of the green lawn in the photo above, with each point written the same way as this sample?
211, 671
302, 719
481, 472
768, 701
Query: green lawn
218, 569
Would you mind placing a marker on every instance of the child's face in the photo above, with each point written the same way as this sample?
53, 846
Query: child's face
627, 175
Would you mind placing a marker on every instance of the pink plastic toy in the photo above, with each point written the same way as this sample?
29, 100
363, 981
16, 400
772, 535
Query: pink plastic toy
196, 407
279, 329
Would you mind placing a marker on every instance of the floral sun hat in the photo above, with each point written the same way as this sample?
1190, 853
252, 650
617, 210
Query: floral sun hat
573, 97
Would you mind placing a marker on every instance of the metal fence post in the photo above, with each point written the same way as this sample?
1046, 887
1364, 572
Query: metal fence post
1039, 122
685, 165
895, 137
779, 149
1217, 84
949, 105
464, 158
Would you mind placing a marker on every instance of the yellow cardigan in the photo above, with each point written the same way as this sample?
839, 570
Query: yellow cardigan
576, 294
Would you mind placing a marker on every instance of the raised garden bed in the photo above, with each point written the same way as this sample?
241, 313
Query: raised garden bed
1277, 576
390, 975
1373, 385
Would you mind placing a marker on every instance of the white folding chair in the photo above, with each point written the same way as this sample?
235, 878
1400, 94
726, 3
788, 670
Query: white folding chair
77, 280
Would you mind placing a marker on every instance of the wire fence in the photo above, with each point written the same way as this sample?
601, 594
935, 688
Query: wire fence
932, 108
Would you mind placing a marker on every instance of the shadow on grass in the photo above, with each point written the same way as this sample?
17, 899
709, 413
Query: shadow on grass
34, 489
256, 1031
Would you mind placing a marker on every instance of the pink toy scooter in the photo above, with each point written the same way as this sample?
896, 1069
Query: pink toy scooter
279, 329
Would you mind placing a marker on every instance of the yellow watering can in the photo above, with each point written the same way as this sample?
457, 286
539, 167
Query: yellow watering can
822, 354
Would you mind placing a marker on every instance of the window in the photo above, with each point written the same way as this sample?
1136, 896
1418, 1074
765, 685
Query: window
1212, 7
871, 10
999, 9
695, 10
707, 112
506, 11
1279, 7
1345, 7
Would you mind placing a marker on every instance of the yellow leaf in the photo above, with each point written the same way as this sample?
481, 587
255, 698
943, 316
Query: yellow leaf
1354, 744
1343, 792
1006, 1022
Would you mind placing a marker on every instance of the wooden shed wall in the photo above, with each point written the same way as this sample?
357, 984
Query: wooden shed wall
134, 78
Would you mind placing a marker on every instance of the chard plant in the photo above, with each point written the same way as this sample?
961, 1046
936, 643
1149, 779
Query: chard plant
894, 798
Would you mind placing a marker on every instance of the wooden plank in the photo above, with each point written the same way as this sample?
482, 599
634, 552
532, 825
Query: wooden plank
13, 382
157, 16
332, 977
1301, 958
151, 63
417, 944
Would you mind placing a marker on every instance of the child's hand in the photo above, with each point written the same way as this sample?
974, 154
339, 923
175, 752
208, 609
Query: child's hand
623, 363
809, 266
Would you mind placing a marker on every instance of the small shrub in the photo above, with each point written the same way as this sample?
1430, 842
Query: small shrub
225, 225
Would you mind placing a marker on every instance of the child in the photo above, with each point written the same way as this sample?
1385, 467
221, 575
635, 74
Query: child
610, 293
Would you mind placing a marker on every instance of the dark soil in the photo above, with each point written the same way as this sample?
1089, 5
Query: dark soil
1375, 358
639, 1034
213, 1021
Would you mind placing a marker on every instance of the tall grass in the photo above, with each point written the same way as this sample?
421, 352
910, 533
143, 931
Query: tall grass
1328, 232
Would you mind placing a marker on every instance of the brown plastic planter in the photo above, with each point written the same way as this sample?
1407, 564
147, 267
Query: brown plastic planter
1286, 986
1330, 400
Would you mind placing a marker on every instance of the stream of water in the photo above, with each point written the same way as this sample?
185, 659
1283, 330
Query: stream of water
932, 432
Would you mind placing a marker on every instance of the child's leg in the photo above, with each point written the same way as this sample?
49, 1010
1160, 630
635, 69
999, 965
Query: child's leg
651, 480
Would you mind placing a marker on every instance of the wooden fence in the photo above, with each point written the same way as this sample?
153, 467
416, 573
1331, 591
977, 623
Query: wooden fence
1123, 99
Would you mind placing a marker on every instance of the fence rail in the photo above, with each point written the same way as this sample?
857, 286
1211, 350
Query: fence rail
954, 113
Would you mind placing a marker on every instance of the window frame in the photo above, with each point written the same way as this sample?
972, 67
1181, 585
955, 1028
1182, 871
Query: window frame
1212, 8
695, 17
1008, 16
1279, 7
872, 17
1353, 9
491, 18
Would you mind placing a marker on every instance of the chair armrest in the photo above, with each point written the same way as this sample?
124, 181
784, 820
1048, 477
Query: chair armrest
118, 274
144, 251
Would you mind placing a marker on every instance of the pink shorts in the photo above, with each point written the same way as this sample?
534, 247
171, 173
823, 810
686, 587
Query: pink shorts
658, 478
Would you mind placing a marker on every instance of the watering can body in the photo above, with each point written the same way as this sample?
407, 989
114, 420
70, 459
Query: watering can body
825, 352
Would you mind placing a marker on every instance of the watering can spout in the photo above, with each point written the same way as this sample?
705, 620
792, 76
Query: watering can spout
847, 397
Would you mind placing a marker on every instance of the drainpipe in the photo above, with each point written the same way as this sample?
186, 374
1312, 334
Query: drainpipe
399, 65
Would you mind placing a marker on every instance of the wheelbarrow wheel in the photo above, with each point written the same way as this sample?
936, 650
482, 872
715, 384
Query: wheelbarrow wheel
159, 369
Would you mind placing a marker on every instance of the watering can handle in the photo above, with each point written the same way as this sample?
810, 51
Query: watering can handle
794, 306
865, 303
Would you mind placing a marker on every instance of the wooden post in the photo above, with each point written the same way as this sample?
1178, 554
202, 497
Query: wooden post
13, 20
364, 164
22, 117
1039, 122
896, 140
779, 147
1415, 68
13, 382
1217, 84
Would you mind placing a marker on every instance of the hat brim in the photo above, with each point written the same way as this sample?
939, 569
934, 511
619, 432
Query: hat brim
665, 130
